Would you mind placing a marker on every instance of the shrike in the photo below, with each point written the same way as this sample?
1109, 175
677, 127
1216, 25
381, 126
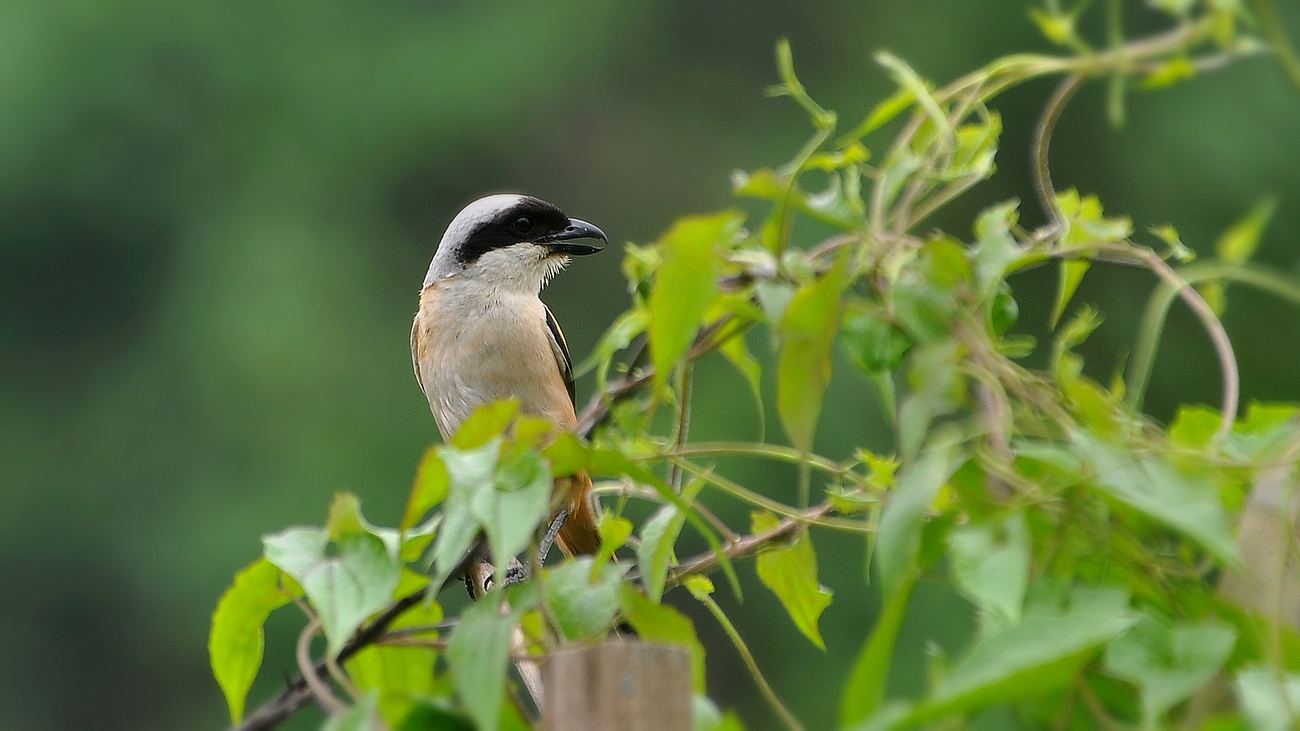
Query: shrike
482, 334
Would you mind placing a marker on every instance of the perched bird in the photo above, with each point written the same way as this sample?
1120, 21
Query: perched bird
482, 334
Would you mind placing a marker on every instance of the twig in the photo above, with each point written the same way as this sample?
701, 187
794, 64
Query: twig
1043, 141
319, 690
683, 427
786, 717
708, 561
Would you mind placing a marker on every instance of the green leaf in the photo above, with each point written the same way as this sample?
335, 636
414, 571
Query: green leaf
736, 351
1043, 652
345, 588
898, 540
1186, 503
686, 283
990, 563
1085, 222
614, 531
1169, 663
1194, 427
655, 622
938, 386
512, 505
865, 690
620, 334
874, 345
1238, 243
658, 536
486, 423
774, 298
468, 471
583, 608
996, 248
1056, 27
1177, 249
364, 716
236, 641
919, 88
977, 145
400, 675
882, 113
791, 573
430, 488
804, 368
479, 653
1268, 701
1069, 274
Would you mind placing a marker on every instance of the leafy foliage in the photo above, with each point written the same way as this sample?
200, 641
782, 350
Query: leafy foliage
1090, 540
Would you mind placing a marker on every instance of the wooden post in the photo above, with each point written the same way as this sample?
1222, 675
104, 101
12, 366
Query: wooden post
619, 685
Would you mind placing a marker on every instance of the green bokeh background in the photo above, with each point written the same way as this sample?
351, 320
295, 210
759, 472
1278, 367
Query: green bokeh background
214, 218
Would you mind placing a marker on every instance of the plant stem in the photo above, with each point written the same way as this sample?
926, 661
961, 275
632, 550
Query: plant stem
787, 718
1144, 352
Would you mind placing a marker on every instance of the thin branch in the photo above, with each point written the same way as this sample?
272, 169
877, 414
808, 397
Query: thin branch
708, 561
683, 428
1210, 321
751, 664
319, 690
1267, 280
753, 498
1043, 141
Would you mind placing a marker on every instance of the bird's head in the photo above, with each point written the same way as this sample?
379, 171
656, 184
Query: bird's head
512, 242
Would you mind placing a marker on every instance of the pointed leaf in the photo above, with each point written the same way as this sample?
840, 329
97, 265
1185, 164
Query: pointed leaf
430, 488
865, 690
898, 540
884, 111
1239, 242
236, 642
658, 537
804, 369
791, 573
344, 588
1070, 274
479, 653
686, 283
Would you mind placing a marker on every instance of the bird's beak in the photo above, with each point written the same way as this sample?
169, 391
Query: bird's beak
565, 242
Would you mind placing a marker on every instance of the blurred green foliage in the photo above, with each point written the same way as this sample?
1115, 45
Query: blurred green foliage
213, 220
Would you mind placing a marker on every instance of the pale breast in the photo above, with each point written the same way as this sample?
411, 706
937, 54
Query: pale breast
472, 348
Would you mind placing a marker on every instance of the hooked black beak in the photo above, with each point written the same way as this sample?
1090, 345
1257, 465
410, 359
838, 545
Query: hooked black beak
565, 242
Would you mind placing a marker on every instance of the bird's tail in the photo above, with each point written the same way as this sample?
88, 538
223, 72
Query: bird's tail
579, 536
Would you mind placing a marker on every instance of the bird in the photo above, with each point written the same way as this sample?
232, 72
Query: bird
482, 333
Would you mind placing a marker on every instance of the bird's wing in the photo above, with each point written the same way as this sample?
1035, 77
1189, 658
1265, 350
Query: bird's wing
415, 351
560, 350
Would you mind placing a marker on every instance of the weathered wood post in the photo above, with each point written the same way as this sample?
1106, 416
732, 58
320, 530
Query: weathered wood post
619, 685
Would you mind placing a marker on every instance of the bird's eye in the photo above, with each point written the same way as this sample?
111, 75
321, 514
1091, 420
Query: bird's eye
523, 224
